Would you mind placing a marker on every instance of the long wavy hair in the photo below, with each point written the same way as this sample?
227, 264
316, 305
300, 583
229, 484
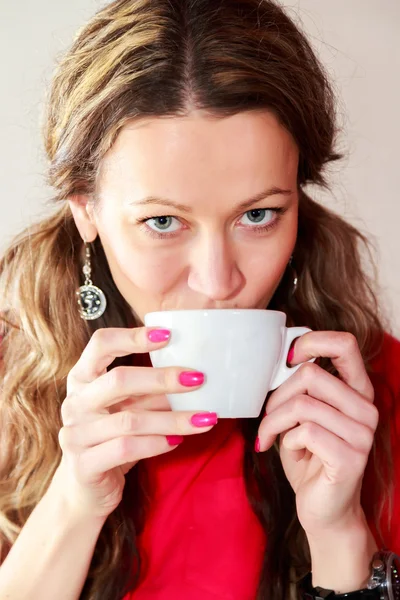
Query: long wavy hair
138, 58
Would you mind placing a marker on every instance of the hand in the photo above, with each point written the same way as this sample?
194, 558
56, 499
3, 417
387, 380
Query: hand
111, 420
326, 428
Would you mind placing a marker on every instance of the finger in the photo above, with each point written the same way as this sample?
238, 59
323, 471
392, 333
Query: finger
314, 381
107, 344
302, 409
117, 452
146, 402
294, 455
137, 423
341, 462
343, 350
123, 382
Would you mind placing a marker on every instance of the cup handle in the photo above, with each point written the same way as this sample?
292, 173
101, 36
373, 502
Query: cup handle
282, 372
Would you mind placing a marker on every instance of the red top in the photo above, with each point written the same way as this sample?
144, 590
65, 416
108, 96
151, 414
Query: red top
201, 540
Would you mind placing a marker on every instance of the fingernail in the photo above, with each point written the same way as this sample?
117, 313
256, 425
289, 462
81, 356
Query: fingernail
158, 335
174, 440
191, 378
257, 445
204, 419
290, 355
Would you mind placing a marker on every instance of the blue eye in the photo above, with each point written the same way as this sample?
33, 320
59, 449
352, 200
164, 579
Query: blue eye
257, 220
162, 224
256, 216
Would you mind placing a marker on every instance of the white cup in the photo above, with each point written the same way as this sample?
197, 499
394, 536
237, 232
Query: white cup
242, 353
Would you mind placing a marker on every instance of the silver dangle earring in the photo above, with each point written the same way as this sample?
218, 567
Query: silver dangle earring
91, 299
295, 278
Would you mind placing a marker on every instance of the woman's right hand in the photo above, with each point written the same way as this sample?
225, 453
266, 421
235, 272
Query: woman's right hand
111, 420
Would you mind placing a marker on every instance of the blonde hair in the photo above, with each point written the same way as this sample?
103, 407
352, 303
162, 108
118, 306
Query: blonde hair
141, 58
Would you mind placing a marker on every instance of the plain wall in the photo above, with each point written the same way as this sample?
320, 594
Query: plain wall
358, 41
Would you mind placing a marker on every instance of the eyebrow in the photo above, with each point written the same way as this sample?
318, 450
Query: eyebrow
274, 191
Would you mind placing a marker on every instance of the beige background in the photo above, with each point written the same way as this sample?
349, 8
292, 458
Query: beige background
358, 41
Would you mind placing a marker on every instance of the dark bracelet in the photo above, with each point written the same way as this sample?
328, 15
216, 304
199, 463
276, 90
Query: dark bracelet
309, 593
384, 583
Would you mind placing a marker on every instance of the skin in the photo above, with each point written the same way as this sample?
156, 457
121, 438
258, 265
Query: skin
215, 258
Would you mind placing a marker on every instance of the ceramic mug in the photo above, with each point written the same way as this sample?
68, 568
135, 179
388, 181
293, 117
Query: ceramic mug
242, 352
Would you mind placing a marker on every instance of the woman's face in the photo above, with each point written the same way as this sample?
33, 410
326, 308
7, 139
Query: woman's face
177, 216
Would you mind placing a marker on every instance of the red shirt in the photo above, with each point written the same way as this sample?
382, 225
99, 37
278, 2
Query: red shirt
201, 539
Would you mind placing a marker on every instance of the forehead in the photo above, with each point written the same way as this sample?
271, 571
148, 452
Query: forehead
181, 155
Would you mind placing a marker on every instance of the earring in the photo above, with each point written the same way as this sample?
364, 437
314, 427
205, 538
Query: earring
91, 299
295, 278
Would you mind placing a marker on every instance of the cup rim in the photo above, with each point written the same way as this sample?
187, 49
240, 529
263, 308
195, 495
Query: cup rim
213, 310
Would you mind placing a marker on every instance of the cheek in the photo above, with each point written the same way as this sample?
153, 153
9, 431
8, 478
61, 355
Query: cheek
150, 270
264, 280
264, 275
138, 267
262, 271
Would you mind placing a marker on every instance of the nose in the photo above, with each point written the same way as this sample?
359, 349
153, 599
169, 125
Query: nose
214, 272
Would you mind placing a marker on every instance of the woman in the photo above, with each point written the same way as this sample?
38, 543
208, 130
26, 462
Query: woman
180, 137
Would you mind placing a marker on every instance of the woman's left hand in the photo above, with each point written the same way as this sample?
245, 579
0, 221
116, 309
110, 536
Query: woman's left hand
326, 428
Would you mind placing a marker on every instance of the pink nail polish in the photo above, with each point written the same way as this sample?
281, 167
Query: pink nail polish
159, 335
257, 445
191, 378
204, 419
290, 355
174, 440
